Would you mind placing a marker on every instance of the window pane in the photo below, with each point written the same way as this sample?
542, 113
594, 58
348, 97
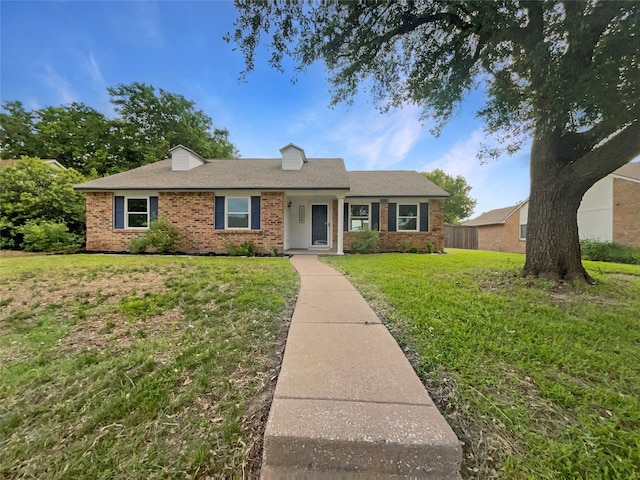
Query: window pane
359, 210
359, 224
136, 204
407, 223
138, 220
523, 231
237, 205
238, 220
408, 210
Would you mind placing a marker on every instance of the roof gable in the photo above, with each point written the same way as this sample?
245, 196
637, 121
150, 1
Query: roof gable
494, 217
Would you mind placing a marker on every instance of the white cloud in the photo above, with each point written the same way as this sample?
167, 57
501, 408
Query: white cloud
138, 23
379, 140
59, 85
94, 71
496, 182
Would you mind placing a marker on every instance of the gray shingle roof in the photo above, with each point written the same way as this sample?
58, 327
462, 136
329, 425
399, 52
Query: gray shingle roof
266, 174
392, 183
493, 217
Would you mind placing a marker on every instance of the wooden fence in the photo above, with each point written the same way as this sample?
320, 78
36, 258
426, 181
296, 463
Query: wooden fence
460, 236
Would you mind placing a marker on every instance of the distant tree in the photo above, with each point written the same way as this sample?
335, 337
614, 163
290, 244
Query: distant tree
460, 204
31, 192
80, 137
160, 121
562, 73
75, 135
17, 131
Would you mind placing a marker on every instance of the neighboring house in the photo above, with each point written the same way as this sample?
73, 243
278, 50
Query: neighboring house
285, 203
52, 163
503, 229
609, 211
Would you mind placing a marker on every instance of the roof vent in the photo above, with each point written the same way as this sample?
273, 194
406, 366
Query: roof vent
292, 157
184, 159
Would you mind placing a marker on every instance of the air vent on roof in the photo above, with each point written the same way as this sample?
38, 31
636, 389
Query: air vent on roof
184, 159
292, 157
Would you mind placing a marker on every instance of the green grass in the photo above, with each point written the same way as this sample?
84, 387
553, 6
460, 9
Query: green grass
138, 367
539, 381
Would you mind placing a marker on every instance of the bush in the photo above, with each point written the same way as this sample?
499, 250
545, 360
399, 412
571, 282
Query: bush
162, 237
403, 245
47, 236
600, 251
32, 192
429, 248
246, 249
366, 241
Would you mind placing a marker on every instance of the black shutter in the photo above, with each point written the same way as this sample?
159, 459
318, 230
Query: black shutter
153, 208
118, 212
255, 212
346, 217
424, 217
219, 213
393, 211
375, 216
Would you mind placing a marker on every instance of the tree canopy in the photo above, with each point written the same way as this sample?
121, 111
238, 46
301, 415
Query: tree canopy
460, 204
78, 136
564, 73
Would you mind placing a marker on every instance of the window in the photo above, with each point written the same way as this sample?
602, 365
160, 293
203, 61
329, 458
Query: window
523, 231
137, 212
359, 217
238, 212
408, 217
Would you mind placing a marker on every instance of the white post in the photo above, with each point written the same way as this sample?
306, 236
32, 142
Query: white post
340, 226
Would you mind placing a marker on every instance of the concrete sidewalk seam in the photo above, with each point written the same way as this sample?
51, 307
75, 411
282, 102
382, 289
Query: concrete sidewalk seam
337, 399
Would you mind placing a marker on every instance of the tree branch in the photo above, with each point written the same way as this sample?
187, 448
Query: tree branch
619, 150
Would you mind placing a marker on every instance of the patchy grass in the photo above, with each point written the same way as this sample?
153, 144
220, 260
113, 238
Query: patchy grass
138, 367
538, 380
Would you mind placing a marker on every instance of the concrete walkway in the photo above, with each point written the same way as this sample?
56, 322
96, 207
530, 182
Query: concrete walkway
347, 403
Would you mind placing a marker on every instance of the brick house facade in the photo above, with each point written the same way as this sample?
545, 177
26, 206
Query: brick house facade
205, 200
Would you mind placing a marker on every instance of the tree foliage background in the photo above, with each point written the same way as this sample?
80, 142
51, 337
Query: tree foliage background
150, 122
460, 204
565, 74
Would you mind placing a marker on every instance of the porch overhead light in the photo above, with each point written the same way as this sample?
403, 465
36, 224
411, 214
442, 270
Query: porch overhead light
289, 205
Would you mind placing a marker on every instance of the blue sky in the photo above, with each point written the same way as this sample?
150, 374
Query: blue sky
57, 52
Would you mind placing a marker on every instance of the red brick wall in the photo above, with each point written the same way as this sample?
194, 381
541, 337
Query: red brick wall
389, 240
192, 213
502, 237
626, 212
101, 236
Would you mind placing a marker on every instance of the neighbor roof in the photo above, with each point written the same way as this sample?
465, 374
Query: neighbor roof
493, 217
235, 174
392, 183
630, 170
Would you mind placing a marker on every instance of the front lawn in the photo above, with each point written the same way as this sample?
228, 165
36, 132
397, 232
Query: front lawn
138, 367
538, 380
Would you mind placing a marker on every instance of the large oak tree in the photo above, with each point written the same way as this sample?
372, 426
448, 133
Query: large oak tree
565, 74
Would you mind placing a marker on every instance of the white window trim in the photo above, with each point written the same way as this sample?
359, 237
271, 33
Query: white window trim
226, 213
359, 217
520, 231
126, 212
417, 217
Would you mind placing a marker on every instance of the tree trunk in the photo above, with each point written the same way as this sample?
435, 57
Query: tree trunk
553, 245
